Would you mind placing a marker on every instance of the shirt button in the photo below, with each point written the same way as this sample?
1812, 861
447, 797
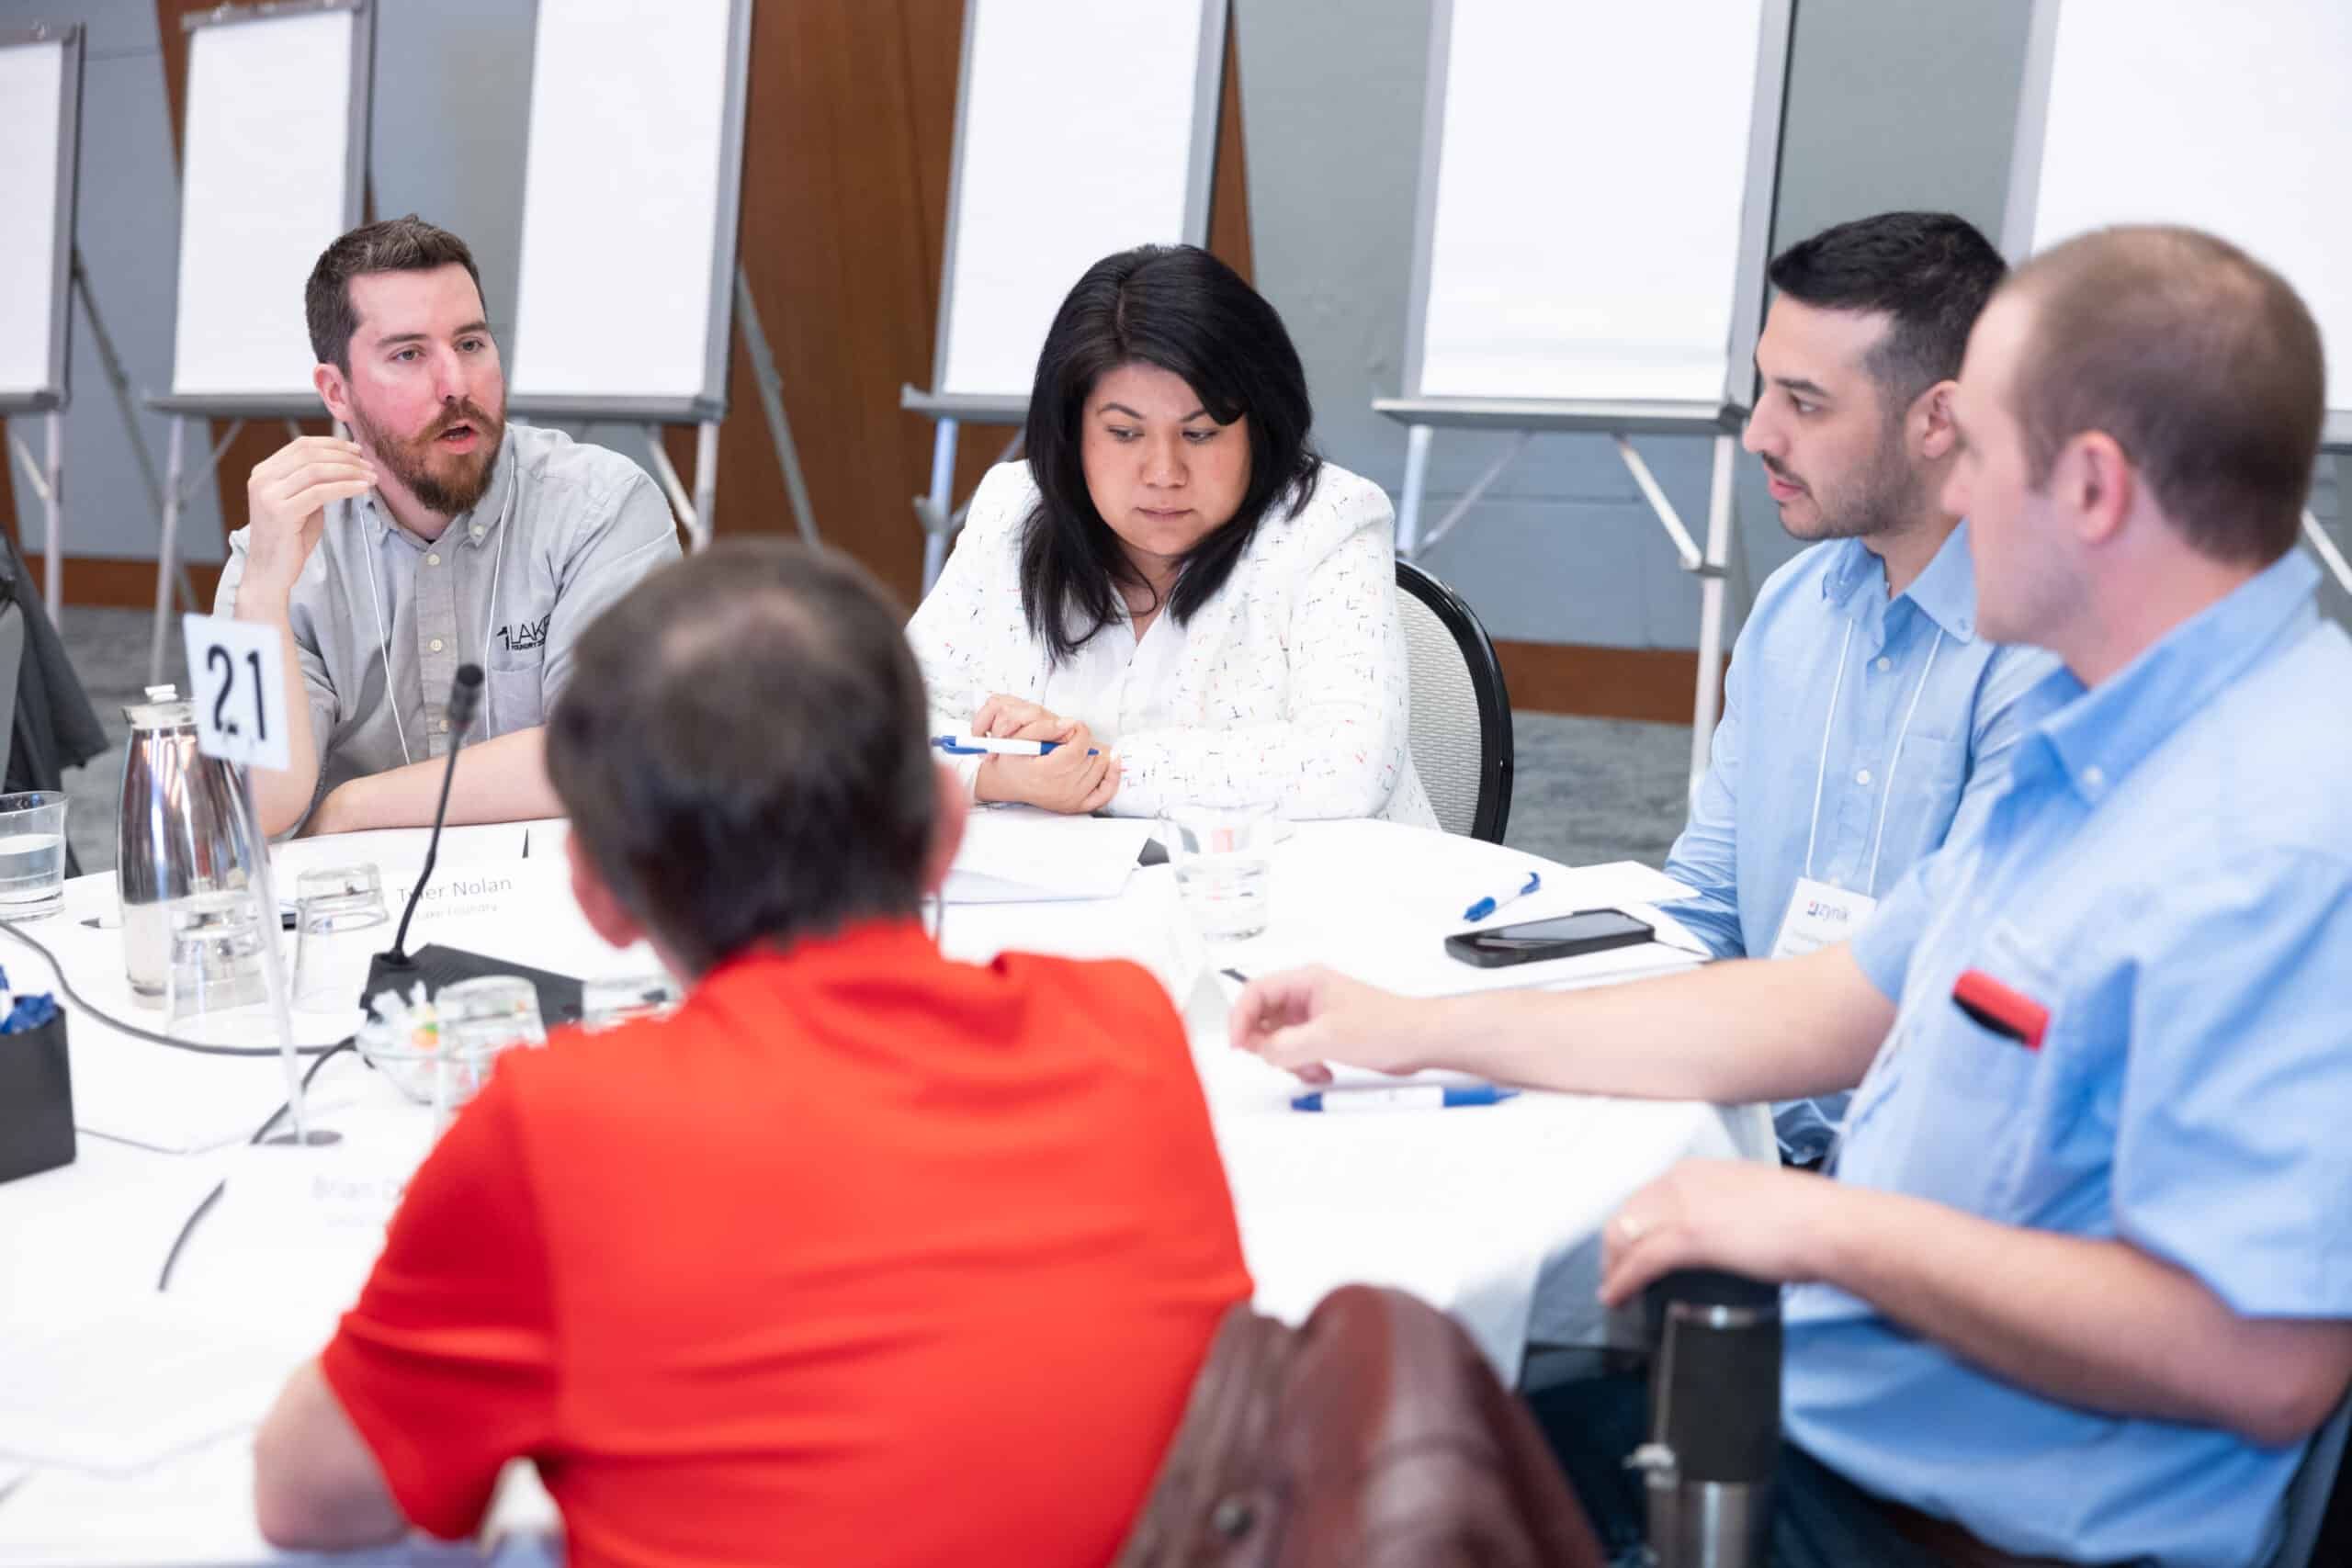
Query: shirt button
1884, 664
477, 532
1862, 777
445, 726
433, 558
2093, 778
435, 645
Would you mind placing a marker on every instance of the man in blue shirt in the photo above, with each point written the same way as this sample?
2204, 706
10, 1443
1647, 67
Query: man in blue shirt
2079, 1287
1862, 704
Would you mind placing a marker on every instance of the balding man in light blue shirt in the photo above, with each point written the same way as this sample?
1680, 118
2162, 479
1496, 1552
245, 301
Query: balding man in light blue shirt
1862, 707
2077, 1285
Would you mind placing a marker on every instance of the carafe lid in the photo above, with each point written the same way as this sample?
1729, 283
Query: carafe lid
164, 709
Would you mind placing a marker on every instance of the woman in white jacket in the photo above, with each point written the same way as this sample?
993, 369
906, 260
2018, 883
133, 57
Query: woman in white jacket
1173, 584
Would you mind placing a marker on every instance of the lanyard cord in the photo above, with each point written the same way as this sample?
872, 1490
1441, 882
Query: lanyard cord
1827, 725
1878, 838
384, 636
1829, 728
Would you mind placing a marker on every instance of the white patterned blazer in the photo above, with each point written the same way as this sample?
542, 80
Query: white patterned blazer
1290, 685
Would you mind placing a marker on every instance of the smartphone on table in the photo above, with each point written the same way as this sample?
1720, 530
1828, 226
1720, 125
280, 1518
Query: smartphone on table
1565, 936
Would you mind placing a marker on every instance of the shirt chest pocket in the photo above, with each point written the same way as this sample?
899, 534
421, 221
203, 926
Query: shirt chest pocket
1983, 1079
517, 660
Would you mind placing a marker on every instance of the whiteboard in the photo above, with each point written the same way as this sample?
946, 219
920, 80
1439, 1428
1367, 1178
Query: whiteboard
1082, 129
2230, 119
1596, 199
629, 191
270, 175
39, 124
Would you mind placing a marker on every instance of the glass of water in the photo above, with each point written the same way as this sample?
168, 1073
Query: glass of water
1223, 855
330, 906
32, 854
215, 990
482, 1019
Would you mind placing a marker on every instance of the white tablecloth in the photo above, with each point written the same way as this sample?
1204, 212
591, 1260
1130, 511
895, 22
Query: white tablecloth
1490, 1213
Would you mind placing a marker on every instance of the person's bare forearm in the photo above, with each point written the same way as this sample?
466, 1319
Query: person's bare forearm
282, 795
1746, 1030
2093, 1322
501, 780
317, 1486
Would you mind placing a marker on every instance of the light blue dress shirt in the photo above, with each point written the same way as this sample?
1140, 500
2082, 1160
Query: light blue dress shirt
1924, 714
2170, 873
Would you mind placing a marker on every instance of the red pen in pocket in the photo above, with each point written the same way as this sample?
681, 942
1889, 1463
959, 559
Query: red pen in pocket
1997, 1008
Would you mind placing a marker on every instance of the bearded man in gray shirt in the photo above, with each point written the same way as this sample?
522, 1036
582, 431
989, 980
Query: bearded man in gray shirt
439, 536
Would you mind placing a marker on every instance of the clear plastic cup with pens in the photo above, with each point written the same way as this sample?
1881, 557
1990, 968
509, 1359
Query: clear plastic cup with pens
610, 1002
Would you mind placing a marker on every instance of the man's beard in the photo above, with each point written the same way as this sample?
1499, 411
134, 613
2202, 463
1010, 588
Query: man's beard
1883, 496
458, 488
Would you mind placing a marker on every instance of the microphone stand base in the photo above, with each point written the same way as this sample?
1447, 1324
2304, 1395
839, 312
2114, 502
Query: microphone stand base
560, 996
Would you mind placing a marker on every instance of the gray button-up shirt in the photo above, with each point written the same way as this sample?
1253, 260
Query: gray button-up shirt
563, 530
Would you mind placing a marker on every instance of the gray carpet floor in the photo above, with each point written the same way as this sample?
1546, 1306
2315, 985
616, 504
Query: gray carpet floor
1588, 789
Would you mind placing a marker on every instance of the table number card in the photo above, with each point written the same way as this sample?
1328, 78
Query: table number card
238, 672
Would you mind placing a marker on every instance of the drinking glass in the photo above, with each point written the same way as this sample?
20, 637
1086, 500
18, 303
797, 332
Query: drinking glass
32, 854
332, 907
1223, 855
215, 991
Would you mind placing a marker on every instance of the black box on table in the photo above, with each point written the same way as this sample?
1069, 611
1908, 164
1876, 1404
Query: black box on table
36, 1101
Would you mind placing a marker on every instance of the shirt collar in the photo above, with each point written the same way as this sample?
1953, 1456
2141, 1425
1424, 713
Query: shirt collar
487, 514
884, 945
1945, 592
2102, 735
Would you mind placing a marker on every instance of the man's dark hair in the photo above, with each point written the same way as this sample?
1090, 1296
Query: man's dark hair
1178, 308
395, 245
1929, 273
740, 749
2201, 363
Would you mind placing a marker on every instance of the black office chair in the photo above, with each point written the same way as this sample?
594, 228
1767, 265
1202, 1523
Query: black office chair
1461, 726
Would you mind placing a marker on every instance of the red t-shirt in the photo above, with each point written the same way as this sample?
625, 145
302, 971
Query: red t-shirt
861, 1257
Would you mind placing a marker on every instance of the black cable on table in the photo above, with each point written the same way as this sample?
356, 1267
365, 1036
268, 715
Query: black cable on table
164, 1280
66, 984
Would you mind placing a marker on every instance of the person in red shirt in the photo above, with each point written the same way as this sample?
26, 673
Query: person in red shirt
861, 1256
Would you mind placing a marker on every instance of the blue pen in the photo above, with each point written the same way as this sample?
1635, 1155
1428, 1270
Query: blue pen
1493, 901
981, 745
1405, 1097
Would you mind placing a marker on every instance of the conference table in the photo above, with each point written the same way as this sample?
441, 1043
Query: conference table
126, 1413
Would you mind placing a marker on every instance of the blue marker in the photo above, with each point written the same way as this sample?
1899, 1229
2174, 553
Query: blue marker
1407, 1097
981, 745
1493, 901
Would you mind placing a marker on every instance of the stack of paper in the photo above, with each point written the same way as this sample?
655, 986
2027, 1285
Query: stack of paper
1014, 854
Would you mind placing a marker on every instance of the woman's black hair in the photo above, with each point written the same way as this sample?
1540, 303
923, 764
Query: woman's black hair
1178, 308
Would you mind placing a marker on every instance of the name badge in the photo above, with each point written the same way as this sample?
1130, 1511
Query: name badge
1820, 915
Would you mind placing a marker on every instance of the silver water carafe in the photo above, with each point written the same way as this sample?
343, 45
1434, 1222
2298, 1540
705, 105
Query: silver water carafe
179, 830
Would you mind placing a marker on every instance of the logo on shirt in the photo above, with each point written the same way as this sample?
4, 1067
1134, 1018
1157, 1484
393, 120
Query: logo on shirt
524, 635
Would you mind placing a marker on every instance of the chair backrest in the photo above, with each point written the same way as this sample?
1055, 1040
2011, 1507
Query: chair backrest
1461, 725
2319, 1505
1373, 1434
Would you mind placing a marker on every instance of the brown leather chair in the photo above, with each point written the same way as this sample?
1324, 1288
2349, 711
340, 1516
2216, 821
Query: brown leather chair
1373, 1435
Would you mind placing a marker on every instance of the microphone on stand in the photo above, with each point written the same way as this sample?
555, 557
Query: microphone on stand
465, 696
399, 971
